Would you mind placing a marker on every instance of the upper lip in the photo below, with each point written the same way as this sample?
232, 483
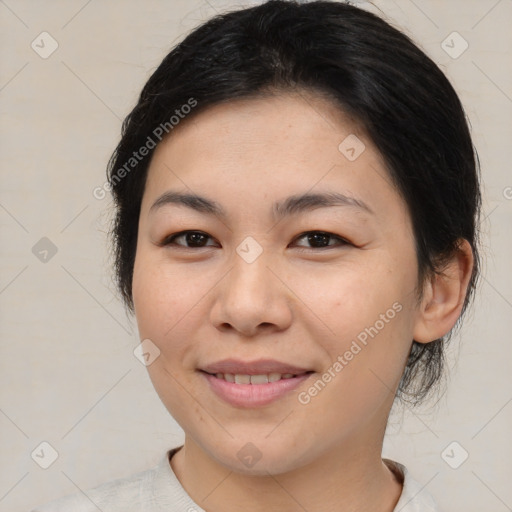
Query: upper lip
259, 367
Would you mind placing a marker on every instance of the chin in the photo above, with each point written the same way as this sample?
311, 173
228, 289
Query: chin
259, 458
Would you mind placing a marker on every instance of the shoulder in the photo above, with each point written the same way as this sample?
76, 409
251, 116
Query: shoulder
125, 494
414, 497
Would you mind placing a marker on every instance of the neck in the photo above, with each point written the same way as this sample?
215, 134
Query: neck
345, 478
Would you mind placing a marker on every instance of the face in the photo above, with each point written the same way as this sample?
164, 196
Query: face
257, 282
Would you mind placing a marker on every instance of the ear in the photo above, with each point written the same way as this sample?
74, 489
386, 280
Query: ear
444, 296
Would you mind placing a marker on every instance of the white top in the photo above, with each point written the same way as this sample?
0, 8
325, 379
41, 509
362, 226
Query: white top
159, 490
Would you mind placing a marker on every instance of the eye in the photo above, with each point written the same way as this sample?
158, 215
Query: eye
321, 239
196, 239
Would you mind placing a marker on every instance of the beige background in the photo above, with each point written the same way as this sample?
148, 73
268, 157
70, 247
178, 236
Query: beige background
67, 371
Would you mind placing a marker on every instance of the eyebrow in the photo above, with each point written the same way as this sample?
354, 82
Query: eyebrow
292, 205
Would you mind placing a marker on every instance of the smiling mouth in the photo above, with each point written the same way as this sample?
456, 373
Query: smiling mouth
264, 378
242, 390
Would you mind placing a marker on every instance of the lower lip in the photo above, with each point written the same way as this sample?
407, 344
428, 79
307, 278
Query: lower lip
253, 395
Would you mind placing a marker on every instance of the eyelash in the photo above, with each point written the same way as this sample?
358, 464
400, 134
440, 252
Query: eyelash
170, 240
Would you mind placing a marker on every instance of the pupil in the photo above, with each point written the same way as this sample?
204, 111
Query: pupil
319, 237
195, 238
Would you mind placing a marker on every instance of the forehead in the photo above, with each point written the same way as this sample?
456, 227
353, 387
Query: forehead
267, 148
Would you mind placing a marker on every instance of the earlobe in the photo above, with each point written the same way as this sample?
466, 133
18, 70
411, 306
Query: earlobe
444, 296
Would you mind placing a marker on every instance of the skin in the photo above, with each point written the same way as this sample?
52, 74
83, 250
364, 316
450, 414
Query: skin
296, 303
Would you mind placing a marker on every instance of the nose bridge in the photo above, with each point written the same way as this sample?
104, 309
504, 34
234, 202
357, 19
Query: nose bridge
250, 294
249, 281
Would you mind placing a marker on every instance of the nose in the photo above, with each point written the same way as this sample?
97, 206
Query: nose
252, 299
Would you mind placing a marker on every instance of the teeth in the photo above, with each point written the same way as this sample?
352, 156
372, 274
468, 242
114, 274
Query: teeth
253, 379
242, 379
259, 379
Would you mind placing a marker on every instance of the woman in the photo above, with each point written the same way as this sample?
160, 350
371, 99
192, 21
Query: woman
297, 199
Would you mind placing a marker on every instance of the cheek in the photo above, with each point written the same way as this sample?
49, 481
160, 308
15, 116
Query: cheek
161, 296
169, 308
368, 314
351, 298
164, 310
